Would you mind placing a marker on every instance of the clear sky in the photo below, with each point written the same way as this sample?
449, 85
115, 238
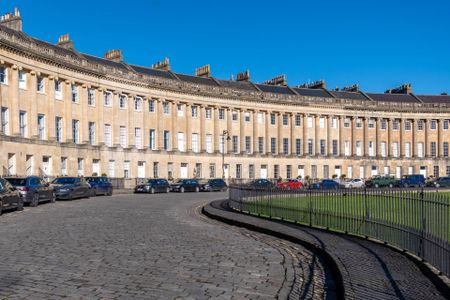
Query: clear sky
376, 43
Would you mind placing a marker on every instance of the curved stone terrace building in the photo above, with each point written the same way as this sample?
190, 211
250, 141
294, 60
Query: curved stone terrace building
68, 113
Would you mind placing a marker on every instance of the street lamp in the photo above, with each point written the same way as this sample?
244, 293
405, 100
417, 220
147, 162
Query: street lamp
224, 133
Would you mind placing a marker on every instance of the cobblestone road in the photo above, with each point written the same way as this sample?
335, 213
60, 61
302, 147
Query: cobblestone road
147, 247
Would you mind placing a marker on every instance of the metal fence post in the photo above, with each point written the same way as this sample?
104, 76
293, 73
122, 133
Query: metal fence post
422, 225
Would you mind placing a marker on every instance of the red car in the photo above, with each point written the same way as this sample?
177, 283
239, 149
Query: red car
291, 184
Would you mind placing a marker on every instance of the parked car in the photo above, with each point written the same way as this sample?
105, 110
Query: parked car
185, 185
153, 186
33, 189
442, 182
9, 196
100, 185
291, 184
417, 180
71, 187
325, 184
357, 183
211, 185
382, 181
261, 184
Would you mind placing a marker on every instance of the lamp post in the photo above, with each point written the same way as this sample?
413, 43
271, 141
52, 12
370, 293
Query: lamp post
224, 133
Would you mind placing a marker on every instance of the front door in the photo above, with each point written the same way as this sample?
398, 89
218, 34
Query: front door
183, 171
141, 169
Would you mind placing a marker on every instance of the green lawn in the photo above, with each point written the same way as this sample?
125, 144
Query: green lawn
373, 214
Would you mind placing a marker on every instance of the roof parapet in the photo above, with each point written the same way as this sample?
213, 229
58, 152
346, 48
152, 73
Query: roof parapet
114, 55
65, 42
162, 65
318, 84
12, 20
279, 80
244, 76
204, 71
405, 88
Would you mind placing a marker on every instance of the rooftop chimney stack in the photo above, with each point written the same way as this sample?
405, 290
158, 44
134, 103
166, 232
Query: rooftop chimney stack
279, 80
114, 55
12, 20
204, 71
65, 42
162, 65
319, 84
244, 76
353, 88
403, 89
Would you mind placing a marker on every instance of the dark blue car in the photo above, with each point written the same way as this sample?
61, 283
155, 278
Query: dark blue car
100, 185
412, 180
325, 184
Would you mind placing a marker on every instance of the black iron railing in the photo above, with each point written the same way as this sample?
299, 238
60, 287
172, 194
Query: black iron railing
415, 220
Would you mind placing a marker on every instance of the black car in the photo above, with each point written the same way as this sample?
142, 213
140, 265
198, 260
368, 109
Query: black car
211, 185
185, 185
442, 182
71, 187
9, 197
261, 183
100, 185
153, 186
33, 189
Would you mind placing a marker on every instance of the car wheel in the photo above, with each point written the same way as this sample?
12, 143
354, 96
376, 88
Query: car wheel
70, 198
197, 189
1, 207
182, 189
438, 185
109, 192
94, 192
35, 200
391, 185
20, 204
167, 190
224, 189
53, 199
376, 185
421, 185
152, 190
405, 185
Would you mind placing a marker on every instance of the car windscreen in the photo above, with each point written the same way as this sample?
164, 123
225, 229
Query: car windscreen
92, 179
64, 180
17, 181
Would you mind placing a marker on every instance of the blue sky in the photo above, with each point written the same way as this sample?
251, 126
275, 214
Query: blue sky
377, 44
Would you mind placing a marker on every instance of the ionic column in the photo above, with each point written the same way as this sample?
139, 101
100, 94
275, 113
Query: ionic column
439, 147
400, 127
216, 129
280, 133
82, 99
267, 137
389, 139
341, 138
255, 131
413, 136
159, 124
14, 128
130, 120
316, 134
292, 133
202, 135
32, 108
377, 130
174, 119
242, 131
352, 137
100, 107
328, 142
50, 90
188, 128
67, 110
426, 146
365, 137
305, 134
